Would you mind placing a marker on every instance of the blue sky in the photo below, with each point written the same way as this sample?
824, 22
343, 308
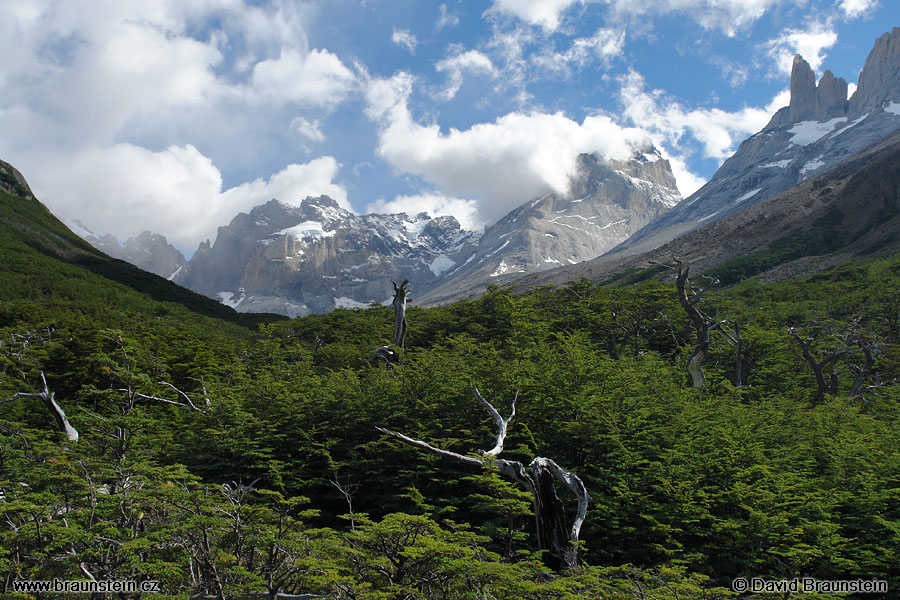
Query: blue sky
173, 116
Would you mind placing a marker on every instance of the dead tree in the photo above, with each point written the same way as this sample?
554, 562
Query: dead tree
819, 367
870, 350
538, 478
399, 303
841, 347
386, 353
62, 423
702, 324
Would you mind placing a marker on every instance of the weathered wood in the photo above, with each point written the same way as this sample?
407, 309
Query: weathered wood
870, 350
823, 387
399, 303
702, 324
539, 478
62, 422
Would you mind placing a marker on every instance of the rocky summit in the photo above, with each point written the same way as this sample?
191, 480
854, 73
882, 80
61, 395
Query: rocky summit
819, 128
148, 251
296, 260
608, 200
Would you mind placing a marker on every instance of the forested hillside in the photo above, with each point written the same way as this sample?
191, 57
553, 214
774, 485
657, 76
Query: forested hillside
225, 458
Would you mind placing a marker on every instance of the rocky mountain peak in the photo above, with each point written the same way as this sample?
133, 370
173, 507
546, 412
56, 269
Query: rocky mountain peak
811, 102
607, 201
879, 80
149, 251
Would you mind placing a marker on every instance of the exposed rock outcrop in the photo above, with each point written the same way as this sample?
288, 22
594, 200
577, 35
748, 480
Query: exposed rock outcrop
879, 81
13, 182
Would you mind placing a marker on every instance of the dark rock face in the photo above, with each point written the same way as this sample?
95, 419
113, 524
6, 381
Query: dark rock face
607, 202
819, 129
295, 260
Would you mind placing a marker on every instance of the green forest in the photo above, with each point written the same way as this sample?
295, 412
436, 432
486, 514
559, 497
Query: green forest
230, 456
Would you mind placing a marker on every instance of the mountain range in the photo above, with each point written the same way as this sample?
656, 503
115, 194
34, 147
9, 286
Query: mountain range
317, 256
617, 217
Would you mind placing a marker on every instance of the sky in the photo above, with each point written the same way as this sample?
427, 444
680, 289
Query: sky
175, 115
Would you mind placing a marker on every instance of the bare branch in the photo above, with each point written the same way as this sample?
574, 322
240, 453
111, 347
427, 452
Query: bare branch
502, 424
189, 404
399, 303
429, 448
55, 409
538, 478
182, 394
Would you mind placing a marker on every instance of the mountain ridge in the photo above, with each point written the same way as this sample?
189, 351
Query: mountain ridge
816, 130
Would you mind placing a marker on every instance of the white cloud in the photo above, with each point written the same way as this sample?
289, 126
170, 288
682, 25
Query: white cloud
446, 19
811, 44
465, 211
178, 192
501, 164
669, 123
77, 73
311, 130
471, 61
84, 84
857, 8
604, 45
317, 78
405, 39
546, 13
728, 16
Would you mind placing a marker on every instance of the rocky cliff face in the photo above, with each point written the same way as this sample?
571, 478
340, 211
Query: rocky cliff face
148, 251
819, 129
295, 260
607, 202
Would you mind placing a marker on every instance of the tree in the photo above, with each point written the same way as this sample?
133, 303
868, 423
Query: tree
538, 478
386, 353
399, 303
838, 345
62, 422
702, 324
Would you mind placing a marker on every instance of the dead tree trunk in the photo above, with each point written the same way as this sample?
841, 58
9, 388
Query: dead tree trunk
399, 303
539, 478
823, 387
386, 353
62, 422
870, 352
702, 324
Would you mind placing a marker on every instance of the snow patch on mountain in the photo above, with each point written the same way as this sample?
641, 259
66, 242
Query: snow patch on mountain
227, 298
808, 132
441, 263
813, 165
747, 196
306, 229
344, 302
